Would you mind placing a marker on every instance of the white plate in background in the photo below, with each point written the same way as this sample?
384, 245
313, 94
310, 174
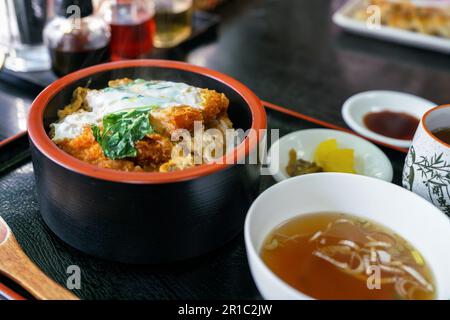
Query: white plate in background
344, 18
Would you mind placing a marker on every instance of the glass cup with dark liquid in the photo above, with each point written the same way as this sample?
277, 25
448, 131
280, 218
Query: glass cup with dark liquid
132, 25
173, 22
427, 166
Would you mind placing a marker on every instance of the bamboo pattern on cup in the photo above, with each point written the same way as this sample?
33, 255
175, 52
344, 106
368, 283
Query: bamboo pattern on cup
435, 174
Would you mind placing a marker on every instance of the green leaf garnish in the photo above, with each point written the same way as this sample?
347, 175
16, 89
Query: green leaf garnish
121, 130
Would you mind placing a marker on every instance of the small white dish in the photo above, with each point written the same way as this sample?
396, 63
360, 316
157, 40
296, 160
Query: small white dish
409, 215
369, 159
357, 106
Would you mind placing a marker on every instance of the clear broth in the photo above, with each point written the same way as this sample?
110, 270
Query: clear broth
290, 251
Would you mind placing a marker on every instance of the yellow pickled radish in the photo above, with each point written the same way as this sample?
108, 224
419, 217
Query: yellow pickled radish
323, 149
340, 160
332, 159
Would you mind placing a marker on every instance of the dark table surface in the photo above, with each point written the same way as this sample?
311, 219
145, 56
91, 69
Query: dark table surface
288, 52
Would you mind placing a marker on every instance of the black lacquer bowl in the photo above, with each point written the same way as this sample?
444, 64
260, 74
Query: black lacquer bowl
144, 217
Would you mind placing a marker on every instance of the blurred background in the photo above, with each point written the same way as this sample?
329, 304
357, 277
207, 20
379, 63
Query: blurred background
69, 35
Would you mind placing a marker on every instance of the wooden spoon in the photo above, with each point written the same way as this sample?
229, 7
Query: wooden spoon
17, 266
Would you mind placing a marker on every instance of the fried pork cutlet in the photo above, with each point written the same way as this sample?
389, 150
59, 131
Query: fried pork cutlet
169, 105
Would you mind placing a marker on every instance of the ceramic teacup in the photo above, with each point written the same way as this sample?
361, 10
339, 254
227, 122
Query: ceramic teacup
427, 166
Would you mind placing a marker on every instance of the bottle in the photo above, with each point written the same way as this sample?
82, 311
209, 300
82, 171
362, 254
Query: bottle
76, 37
132, 27
173, 22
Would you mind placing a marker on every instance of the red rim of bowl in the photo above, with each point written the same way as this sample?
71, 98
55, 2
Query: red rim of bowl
44, 144
427, 130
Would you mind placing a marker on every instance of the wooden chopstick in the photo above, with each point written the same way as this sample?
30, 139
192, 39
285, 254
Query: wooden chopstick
8, 294
325, 124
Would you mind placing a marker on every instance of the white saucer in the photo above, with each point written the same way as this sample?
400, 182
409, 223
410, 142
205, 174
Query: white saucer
357, 106
370, 160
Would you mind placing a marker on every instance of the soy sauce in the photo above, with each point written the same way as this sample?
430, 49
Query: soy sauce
76, 43
65, 62
443, 134
397, 125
